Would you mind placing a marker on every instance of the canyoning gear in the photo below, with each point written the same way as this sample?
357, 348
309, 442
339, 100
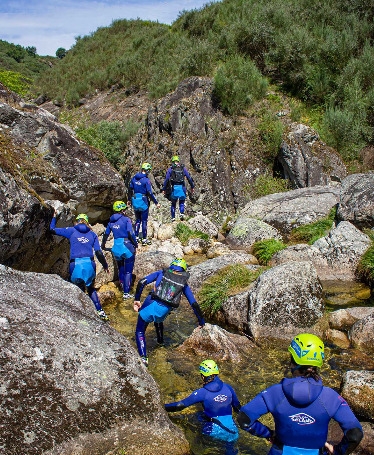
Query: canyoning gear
307, 349
170, 289
181, 217
219, 400
177, 175
175, 159
144, 360
139, 202
83, 270
82, 216
124, 247
146, 242
301, 408
147, 167
208, 367
174, 187
102, 315
179, 262
118, 206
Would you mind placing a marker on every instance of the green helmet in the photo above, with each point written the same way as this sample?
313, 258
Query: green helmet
82, 216
175, 158
118, 206
208, 367
180, 263
146, 167
307, 349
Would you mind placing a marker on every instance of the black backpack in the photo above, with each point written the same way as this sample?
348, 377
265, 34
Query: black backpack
177, 175
171, 286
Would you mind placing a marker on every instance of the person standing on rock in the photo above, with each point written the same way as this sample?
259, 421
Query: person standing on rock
174, 186
124, 247
82, 269
302, 407
140, 193
170, 284
219, 400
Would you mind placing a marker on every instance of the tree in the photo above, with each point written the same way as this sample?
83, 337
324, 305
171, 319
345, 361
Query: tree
61, 52
31, 50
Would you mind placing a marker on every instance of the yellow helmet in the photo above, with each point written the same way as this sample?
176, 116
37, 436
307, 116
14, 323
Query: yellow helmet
118, 206
175, 158
147, 167
82, 216
307, 349
208, 367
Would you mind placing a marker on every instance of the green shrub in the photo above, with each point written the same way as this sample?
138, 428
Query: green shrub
266, 184
271, 133
237, 84
311, 232
264, 250
228, 281
184, 233
109, 137
16, 82
365, 267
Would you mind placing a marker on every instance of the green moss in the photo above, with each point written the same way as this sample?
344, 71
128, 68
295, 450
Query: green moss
264, 250
184, 233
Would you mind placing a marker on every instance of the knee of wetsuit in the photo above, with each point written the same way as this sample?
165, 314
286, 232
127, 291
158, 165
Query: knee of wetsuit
243, 420
80, 283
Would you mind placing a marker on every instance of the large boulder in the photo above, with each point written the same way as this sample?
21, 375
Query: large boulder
306, 161
358, 390
246, 231
362, 333
70, 383
291, 209
285, 300
356, 203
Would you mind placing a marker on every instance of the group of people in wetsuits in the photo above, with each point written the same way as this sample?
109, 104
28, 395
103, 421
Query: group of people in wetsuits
300, 405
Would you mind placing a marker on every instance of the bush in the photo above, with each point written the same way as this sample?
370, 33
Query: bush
15, 81
311, 232
184, 233
237, 84
271, 133
266, 184
228, 281
109, 137
264, 250
365, 266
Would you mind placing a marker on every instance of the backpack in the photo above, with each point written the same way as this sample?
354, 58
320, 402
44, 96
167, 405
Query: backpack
171, 286
177, 175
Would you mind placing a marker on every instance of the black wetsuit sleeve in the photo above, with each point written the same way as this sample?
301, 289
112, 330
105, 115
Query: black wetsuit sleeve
104, 240
101, 258
350, 441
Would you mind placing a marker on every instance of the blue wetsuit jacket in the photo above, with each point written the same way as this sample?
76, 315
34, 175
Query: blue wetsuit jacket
301, 408
186, 174
121, 227
141, 184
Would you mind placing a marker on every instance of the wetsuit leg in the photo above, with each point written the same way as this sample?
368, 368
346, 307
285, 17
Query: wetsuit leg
141, 327
121, 273
94, 297
173, 207
138, 219
128, 268
159, 327
181, 206
145, 214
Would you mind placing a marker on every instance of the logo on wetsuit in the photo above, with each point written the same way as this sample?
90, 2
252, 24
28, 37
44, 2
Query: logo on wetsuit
83, 239
302, 419
220, 398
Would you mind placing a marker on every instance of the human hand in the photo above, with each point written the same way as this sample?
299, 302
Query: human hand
329, 447
137, 305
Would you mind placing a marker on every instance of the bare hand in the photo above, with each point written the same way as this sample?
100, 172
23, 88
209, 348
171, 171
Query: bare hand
137, 305
329, 447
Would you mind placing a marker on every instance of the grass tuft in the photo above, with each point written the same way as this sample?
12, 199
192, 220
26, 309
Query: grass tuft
264, 250
309, 233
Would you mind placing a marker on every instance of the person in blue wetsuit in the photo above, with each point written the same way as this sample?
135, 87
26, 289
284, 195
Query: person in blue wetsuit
174, 186
219, 400
82, 269
302, 408
124, 247
170, 284
140, 194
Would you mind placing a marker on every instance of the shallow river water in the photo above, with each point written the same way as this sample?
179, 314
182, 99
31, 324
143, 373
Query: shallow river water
177, 375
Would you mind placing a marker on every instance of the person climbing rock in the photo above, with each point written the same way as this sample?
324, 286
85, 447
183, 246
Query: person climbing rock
82, 269
219, 400
124, 247
302, 407
170, 284
140, 193
174, 187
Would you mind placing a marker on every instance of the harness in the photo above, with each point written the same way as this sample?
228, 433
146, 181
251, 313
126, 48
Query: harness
177, 175
169, 291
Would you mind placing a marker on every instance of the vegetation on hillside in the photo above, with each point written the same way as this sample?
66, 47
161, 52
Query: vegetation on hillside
19, 66
311, 232
321, 52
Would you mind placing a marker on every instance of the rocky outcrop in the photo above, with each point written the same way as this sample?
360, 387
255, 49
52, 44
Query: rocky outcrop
291, 209
356, 203
306, 161
246, 231
362, 333
70, 383
285, 300
358, 390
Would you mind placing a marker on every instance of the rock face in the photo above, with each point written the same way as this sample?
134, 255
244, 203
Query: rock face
285, 300
70, 383
286, 211
356, 201
306, 161
43, 165
358, 390
246, 231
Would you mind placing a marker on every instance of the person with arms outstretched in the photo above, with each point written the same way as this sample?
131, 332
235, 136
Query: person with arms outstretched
302, 407
83, 243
